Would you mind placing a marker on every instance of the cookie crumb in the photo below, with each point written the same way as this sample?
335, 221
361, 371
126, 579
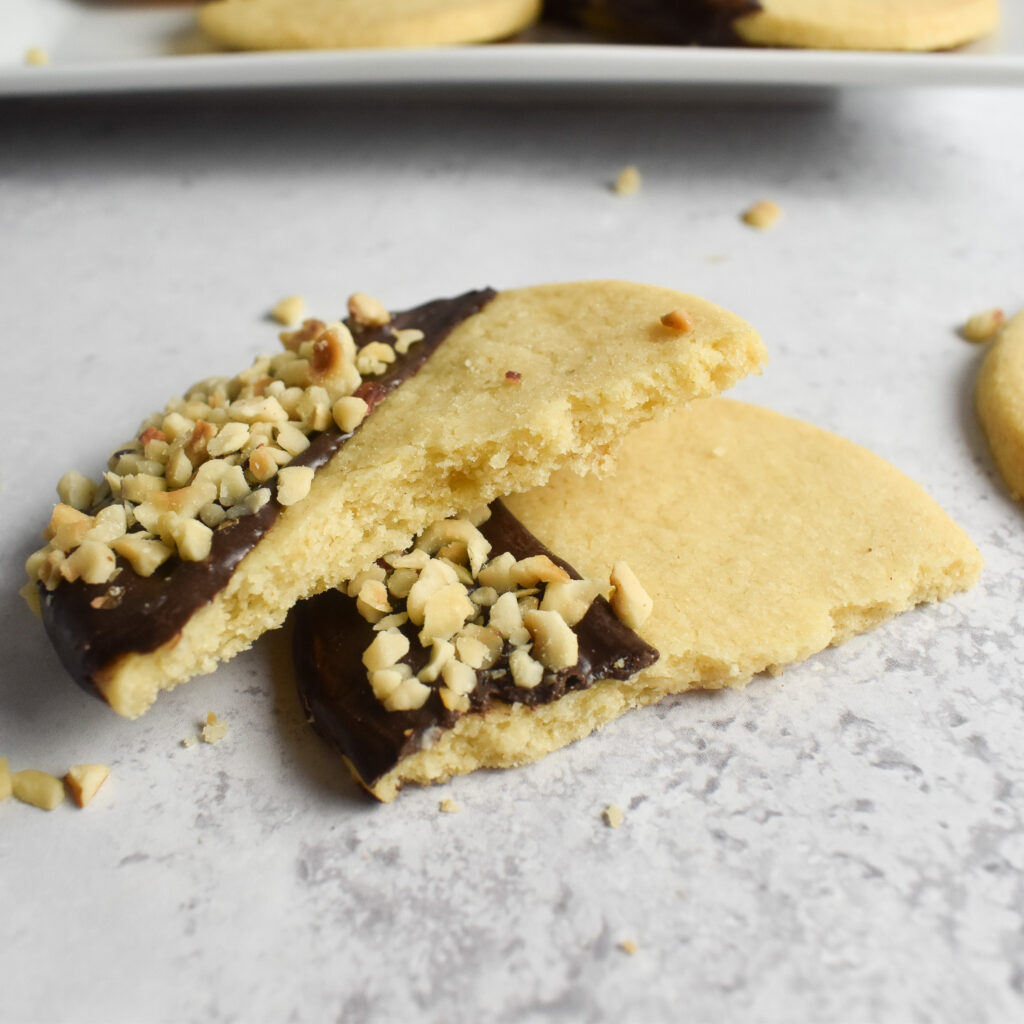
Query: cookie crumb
628, 182
763, 214
84, 780
36, 56
39, 789
5, 779
189, 741
289, 311
983, 326
215, 729
448, 806
613, 816
628, 946
679, 320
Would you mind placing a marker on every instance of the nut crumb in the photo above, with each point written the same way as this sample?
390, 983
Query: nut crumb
289, 311
628, 946
628, 182
983, 326
449, 806
513, 377
36, 56
678, 320
83, 780
613, 816
189, 741
763, 215
215, 729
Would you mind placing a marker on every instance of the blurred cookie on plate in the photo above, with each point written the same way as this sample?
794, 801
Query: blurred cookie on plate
351, 24
817, 24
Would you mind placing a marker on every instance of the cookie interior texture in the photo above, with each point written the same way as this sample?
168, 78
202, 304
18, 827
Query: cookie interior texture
330, 24
868, 24
594, 360
761, 540
1000, 402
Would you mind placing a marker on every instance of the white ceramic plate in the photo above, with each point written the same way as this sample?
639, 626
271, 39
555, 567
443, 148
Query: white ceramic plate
116, 46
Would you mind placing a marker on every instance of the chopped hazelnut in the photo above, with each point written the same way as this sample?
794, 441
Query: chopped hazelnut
371, 572
445, 612
613, 816
293, 484
538, 569
458, 677
192, 538
628, 181
448, 806
91, 561
367, 310
76, 489
555, 645
984, 326
441, 652
506, 618
372, 602
678, 320
526, 672
409, 695
289, 310
215, 729
571, 599
387, 649
630, 602
763, 214
348, 412
84, 780
406, 338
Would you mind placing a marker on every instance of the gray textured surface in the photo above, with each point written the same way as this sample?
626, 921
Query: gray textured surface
841, 843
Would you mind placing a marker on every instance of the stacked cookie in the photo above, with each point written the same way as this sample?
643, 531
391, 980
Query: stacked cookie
355, 474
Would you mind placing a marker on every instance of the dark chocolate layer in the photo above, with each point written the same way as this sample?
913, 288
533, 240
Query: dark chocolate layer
708, 22
330, 637
140, 614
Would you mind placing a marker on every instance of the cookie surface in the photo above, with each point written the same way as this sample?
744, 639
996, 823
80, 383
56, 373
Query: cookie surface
820, 24
530, 380
760, 539
343, 24
1000, 401
868, 24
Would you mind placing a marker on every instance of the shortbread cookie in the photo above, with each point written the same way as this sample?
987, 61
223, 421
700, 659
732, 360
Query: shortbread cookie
758, 539
868, 24
1000, 401
343, 24
253, 492
821, 24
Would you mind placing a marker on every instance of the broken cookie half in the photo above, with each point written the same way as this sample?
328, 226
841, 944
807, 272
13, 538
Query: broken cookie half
252, 492
739, 540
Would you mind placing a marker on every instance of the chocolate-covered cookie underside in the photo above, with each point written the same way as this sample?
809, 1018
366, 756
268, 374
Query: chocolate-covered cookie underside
708, 22
330, 635
90, 631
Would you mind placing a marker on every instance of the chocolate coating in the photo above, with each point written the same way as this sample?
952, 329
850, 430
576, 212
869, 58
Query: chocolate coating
147, 612
658, 21
330, 637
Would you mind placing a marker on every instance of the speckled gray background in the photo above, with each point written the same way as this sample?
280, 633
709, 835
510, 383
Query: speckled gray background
842, 843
